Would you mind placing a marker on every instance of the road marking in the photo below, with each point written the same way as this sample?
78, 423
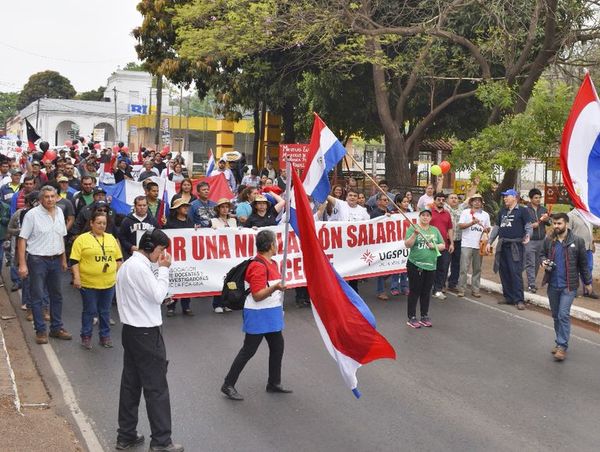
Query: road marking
89, 436
11, 374
535, 322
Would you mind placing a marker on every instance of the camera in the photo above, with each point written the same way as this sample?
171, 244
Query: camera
550, 265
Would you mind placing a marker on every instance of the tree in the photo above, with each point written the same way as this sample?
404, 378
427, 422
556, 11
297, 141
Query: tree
45, 84
8, 107
427, 57
95, 94
134, 66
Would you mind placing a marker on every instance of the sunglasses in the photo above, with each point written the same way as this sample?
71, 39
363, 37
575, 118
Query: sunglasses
101, 210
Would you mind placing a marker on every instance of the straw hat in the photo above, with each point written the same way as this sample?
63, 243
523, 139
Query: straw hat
222, 201
259, 198
471, 198
179, 202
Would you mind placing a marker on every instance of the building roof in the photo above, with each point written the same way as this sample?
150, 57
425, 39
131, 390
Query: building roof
86, 107
436, 145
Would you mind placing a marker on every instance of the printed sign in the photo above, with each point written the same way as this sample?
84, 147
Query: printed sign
98, 134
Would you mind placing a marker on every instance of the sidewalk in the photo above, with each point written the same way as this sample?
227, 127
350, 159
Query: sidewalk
583, 308
31, 417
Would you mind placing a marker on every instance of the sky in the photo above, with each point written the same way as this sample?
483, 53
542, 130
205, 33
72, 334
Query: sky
83, 40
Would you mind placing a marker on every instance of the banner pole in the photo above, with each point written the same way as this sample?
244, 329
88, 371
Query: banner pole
288, 195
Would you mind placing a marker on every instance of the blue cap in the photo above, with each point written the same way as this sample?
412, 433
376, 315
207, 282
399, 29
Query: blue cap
510, 192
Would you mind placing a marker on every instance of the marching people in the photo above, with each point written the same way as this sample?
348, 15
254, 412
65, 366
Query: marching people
223, 219
138, 220
425, 247
564, 260
263, 213
222, 169
202, 209
185, 191
513, 229
154, 204
243, 208
441, 219
380, 210
96, 256
399, 282
426, 200
262, 317
473, 222
179, 219
140, 294
540, 218
582, 228
42, 239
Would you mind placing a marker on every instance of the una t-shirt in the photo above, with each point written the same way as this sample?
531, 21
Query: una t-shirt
97, 259
472, 235
347, 213
512, 222
420, 254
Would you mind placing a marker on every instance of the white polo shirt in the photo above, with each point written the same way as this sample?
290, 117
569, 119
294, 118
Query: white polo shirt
44, 234
140, 292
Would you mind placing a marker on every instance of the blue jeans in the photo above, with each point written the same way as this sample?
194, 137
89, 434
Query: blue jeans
185, 304
454, 265
26, 295
560, 304
14, 275
397, 282
96, 302
511, 274
45, 273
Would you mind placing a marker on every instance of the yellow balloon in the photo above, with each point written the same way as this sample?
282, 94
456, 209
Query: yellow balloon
436, 170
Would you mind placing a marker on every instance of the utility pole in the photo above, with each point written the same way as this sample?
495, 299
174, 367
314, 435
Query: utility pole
158, 111
187, 127
37, 115
116, 129
180, 112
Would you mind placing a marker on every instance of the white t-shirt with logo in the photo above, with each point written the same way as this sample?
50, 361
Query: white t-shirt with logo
472, 235
343, 212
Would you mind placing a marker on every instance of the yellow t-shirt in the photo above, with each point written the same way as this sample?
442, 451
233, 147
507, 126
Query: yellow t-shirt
87, 250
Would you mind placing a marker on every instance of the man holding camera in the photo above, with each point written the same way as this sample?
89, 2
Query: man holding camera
564, 260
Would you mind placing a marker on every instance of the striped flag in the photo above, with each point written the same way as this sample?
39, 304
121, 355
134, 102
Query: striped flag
210, 166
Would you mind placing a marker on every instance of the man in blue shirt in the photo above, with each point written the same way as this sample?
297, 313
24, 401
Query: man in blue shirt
564, 260
202, 209
513, 229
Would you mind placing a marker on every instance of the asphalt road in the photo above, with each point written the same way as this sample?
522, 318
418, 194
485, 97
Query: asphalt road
482, 378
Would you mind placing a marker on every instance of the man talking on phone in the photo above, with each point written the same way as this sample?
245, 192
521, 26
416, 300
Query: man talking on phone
140, 294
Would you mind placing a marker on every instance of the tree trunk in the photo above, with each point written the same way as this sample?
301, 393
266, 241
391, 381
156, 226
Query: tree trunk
159, 85
397, 168
256, 141
287, 116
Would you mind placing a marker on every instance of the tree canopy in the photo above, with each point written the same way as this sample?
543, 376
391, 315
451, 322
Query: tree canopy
95, 94
45, 84
8, 107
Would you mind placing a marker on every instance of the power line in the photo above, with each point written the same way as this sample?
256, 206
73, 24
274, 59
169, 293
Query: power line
46, 57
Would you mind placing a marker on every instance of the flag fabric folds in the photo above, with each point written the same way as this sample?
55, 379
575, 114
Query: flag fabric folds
345, 322
580, 152
210, 166
324, 152
32, 136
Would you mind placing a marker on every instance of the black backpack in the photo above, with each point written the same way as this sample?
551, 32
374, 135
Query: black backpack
234, 293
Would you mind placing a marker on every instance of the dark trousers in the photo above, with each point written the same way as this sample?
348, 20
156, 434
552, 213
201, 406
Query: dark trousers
144, 367
454, 265
419, 283
251, 343
511, 274
353, 284
441, 272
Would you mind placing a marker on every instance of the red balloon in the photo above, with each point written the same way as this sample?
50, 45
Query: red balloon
50, 154
125, 149
97, 146
445, 166
18, 149
115, 148
165, 150
68, 143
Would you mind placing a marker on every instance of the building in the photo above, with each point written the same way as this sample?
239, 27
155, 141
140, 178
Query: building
134, 88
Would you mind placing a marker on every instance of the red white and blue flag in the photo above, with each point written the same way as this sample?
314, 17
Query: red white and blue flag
324, 152
580, 152
210, 166
345, 322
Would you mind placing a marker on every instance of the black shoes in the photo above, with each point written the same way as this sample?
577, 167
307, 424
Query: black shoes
170, 448
139, 439
278, 388
231, 392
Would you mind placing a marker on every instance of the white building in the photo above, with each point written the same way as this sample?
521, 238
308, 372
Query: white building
57, 120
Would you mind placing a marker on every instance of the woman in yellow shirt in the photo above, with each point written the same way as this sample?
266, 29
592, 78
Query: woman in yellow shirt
96, 257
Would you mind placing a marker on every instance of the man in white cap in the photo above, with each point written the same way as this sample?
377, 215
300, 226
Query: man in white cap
222, 168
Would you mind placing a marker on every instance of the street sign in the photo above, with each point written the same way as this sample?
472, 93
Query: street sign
297, 153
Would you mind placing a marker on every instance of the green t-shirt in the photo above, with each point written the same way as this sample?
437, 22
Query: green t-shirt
420, 254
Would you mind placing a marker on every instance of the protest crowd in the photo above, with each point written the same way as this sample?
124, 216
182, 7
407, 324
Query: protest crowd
57, 214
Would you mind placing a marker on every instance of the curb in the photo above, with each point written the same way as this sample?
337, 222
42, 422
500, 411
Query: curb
587, 315
8, 385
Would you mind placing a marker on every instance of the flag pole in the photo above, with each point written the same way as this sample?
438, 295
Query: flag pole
288, 194
416, 225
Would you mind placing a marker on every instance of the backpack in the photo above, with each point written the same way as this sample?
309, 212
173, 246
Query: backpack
234, 292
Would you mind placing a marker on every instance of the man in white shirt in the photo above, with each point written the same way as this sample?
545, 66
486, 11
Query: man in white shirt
348, 210
140, 295
426, 200
222, 168
473, 222
42, 237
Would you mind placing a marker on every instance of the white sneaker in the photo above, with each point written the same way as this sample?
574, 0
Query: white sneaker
95, 321
227, 309
439, 295
219, 310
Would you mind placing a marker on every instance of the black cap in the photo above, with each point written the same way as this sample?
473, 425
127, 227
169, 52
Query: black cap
99, 190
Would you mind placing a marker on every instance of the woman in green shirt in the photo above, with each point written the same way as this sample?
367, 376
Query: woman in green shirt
425, 248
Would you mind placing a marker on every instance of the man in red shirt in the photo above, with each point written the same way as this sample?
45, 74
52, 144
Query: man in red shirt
441, 219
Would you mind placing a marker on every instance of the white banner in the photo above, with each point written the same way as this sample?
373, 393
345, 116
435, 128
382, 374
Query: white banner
202, 257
